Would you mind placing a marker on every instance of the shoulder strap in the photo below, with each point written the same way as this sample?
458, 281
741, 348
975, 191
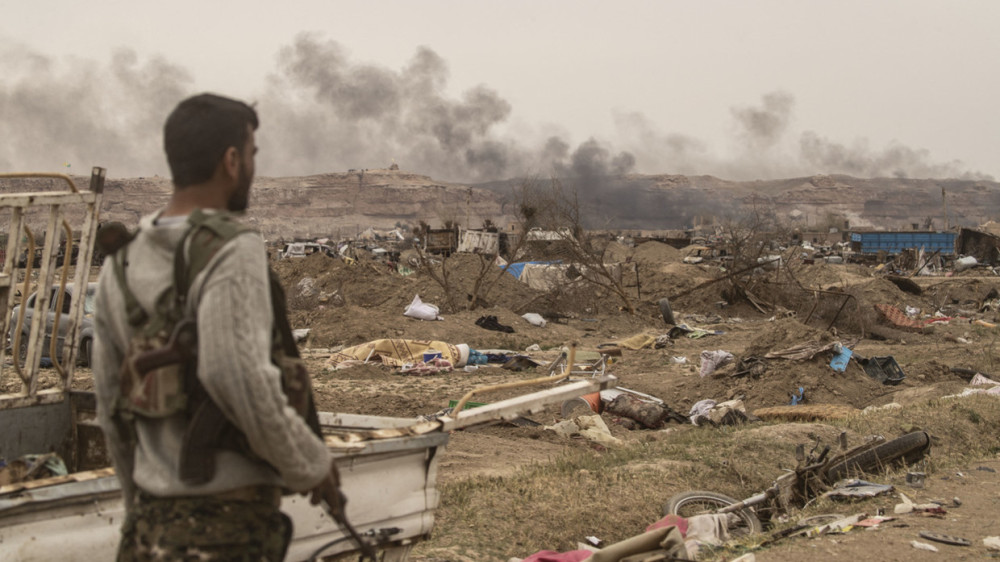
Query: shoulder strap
208, 233
137, 316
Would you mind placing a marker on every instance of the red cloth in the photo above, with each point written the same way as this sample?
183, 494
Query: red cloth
668, 520
553, 556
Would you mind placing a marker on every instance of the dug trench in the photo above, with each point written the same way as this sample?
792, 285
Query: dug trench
509, 491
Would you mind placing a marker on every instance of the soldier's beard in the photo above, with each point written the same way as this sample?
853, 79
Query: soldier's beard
241, 198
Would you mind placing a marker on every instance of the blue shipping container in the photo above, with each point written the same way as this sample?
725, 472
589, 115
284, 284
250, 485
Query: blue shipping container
895, 242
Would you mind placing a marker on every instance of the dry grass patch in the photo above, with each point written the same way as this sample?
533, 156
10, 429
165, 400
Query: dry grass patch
615, 494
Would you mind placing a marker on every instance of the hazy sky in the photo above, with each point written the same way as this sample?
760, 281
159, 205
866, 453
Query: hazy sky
475, 90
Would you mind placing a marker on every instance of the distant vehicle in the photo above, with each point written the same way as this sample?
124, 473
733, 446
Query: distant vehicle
86, 330
303, 249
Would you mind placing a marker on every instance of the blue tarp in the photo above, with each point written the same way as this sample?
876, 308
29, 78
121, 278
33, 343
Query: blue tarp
895, 242
517, 268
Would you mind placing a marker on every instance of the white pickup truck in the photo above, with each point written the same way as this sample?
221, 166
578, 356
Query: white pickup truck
388, 466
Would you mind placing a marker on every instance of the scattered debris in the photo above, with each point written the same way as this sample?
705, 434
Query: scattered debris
491, 323
854, 488
589, 427
923, 546
712, 360
534, 319
883, 369
945, 539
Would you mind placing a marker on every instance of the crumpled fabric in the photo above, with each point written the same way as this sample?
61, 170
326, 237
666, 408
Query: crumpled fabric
730, 412
589, 427
398, 352
712, 360
553, 556
432, 367
638, 341
701, 408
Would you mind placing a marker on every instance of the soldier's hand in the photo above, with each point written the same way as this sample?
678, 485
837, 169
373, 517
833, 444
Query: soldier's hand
328, 490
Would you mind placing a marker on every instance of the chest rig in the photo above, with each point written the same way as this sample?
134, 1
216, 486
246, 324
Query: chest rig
159, 378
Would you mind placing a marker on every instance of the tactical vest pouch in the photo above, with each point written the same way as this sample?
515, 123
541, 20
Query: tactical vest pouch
154, 371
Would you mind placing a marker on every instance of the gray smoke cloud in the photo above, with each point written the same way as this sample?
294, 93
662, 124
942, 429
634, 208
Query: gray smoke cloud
68, 115
332, 113
761, 128
321, 112
895, 160
767, 148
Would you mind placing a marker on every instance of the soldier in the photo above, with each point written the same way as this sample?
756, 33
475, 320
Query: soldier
202, 400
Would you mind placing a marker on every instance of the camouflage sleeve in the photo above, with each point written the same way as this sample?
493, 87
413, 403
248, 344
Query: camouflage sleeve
108, 356
234, 362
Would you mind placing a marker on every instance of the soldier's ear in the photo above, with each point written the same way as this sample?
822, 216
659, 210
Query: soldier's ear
231, 162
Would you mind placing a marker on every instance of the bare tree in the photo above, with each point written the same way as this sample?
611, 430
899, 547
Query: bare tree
490, 268
750, 239
554, 212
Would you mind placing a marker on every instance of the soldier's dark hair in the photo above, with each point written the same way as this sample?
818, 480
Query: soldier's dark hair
199, 131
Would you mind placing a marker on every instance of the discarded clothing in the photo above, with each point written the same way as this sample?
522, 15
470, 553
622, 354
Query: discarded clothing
491, 323
639, 341
31, 467
798, 398
650, 414
398, 352
693, 333
424, 368
712, 360
707, 412
589, 427
701, 408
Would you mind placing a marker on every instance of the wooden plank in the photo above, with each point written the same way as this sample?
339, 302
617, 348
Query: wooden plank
42, 483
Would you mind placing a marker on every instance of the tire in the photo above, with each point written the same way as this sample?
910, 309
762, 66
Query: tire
667, 312
699, 502
907, 448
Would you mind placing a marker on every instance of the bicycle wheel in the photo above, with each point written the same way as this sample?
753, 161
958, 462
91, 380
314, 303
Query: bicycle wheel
907, 448
688, 504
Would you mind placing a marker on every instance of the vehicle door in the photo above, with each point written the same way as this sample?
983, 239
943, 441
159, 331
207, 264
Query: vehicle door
63, 320
27, 308
51, 319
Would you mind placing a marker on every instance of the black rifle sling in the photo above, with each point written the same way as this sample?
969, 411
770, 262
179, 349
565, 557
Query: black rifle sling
283, 330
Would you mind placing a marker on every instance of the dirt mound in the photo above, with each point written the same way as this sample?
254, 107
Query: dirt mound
615, 252
656, 252
783, 334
